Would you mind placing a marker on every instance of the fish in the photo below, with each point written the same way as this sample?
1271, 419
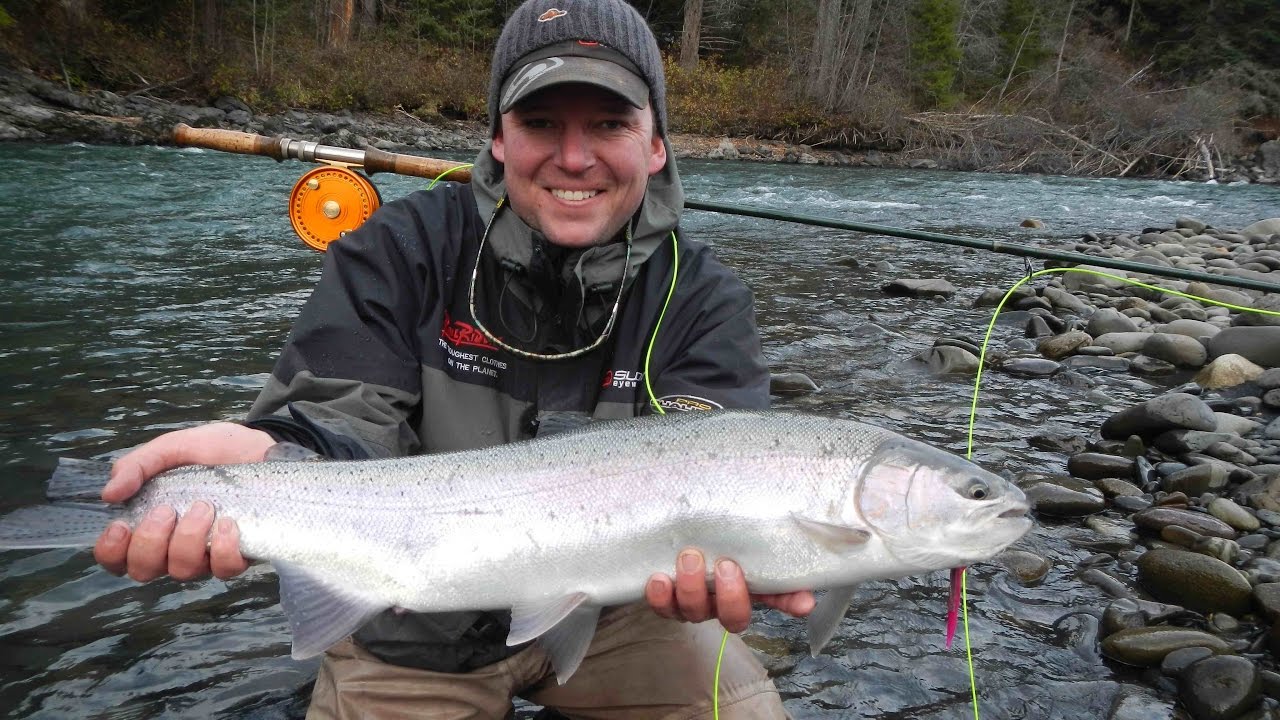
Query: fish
556, 528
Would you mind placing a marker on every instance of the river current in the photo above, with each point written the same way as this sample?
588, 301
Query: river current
146, 289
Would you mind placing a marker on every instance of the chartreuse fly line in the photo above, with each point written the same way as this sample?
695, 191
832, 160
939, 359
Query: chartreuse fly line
446, 172
973, 408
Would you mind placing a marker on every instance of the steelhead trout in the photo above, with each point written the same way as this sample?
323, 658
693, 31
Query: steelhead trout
556, 528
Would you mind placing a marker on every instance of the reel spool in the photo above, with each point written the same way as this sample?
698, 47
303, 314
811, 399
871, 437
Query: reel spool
328, 202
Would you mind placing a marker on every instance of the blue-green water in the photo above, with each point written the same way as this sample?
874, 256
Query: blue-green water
146, 289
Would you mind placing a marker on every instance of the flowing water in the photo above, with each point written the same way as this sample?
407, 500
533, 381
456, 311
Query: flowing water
147, 289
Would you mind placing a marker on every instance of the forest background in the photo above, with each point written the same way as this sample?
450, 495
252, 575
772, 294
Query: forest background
1111, 87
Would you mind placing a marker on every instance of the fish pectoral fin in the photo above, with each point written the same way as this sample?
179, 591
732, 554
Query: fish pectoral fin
839, 539
291, 452
564, 627
826, 617
321, 612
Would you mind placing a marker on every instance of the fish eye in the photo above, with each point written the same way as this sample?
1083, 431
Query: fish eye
978, 490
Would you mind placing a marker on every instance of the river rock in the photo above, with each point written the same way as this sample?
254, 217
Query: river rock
1122, 342
1170, 411
920, 287
1176, 442
1263, 228
942, 360
1064, 497
1030, 367
1234, 424
1197, 480
1269, 379
1148, 646
1190, 328
1062, 299
1117, 488
1266, 302
1266, 597
1028, 568
1194, 581
1066, 443
1135, 703
1092, 466
1179, 350
1234, 515
1109, 320
1087, 281
1147, 365
1227, 371
1220, 687
1176, 662
791, 384
1060, 346
1271, 398
1156, 518
1260, 345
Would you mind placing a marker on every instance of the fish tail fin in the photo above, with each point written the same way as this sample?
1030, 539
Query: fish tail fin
53, 526
77, 480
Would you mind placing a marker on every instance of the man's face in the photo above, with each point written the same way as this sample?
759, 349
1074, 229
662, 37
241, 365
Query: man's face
578, 159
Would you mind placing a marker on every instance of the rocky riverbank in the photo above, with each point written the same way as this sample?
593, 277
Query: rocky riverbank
35, 110
1178, 497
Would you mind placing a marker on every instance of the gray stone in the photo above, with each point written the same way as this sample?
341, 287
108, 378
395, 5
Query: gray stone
1266, 596
1179, 350
1170, 411
1271, 398
1176, 442
1227, 371
1191, 224
947, 359
1260, 345
1115, 364
1109, 320
1092, 466
1197, 480
1157, 518
1234, 424
920, 287
1194, 581
1269, 380
1220, 687
1233, 515
1067, 443
1058, 500
1122, 342
1148, 646
1149, 366
1190, 328
1065, 300
1028, 568
1030, 367
1115, 487
1270, 303
1179, 660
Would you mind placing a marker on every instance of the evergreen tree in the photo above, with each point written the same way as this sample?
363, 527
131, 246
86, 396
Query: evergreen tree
935, 53
1021, 44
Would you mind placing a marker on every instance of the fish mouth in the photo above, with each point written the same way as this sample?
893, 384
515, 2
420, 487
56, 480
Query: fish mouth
1015, 512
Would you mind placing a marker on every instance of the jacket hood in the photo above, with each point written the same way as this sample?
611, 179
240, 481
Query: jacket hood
596, 268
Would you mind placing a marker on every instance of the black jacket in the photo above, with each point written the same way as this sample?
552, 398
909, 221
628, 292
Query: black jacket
385, 360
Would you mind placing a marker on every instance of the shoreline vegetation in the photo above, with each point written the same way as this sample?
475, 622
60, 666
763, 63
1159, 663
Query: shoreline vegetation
1140, 88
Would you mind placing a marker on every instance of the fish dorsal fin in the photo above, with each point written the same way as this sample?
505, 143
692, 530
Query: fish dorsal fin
290, 452
321, 612
826, 617
564, 626
839, 539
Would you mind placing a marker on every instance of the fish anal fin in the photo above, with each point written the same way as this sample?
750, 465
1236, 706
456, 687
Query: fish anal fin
290, 452
77, 480
840, 539
563, 626
321, 612
826, 616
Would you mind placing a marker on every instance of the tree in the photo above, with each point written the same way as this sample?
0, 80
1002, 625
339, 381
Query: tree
692, 34
935, 53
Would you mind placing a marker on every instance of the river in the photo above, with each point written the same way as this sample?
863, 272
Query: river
147, 289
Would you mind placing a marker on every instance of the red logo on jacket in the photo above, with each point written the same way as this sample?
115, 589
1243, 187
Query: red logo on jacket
460, 334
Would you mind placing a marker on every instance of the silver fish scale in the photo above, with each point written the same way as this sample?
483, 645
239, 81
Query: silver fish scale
594, 511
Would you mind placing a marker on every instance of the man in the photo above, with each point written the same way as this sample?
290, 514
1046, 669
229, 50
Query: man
551, 291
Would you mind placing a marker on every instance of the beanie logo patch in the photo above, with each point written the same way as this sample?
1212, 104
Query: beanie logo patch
528, 74
552, 14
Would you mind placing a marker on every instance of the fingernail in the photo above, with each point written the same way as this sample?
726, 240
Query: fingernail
689, 561
224, 526
725, 569
116, 531
160, 514
200, 510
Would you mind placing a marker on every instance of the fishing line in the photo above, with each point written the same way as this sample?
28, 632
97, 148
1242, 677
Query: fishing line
446, 172
973, 408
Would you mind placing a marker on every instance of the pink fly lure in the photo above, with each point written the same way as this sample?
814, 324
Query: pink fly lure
953, 606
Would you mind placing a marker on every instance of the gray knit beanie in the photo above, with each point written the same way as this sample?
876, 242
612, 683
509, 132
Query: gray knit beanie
613, 23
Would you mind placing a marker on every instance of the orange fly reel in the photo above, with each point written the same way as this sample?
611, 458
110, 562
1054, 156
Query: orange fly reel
329, 202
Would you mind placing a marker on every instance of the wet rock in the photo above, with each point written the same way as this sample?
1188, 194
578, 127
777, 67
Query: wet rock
1037, 327
1117, 364
1220, 687
1178, 350
1271, 398
1066, 443
1148, 646
1030, 367
1053, 497
1066, 301
1190, 328
920, 287
1262, 228
1130, 503
1151, 367
1266, 597
791, 384
1227, 371
1156, 518
1260, 345
1234, 424
1194, 581
1176, 662
1033, 223
1092, 466
1060, 346
1115, 487
1138, 704
1028, 568
1109, 320
1266, 302
1197, 480
1107, 583
1269, 379
1234, 515
1171, 411
947, 359
1176, 442
847, 261
1230, 453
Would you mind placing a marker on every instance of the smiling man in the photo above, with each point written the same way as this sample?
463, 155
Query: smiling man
554, 290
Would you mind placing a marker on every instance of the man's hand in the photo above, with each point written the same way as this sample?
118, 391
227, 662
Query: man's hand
687, 598
162, 543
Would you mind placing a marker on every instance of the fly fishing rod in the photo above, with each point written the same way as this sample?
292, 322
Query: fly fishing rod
328, 202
